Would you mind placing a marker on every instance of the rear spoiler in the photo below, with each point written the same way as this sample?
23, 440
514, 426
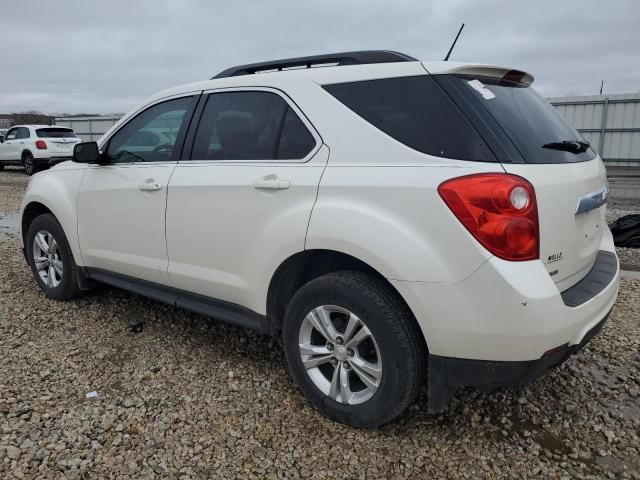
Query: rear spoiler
479, 70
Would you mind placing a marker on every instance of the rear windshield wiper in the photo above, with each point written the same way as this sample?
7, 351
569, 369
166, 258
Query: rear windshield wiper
573, 146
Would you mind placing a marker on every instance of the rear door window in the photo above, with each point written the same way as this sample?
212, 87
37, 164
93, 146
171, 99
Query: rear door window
417, 112
23, 133
250, 125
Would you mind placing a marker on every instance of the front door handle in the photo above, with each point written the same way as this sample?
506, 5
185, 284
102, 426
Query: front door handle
271, 182
149, 186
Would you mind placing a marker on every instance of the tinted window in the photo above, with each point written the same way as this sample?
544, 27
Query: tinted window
416, 112
151, 135
23, 133
295, 140
55, 133
249, 126
528, 119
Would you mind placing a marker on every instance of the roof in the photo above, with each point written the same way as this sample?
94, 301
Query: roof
32, 126
325, 75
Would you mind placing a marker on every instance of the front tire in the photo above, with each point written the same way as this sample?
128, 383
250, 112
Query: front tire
354, 348
29, 164
50, 258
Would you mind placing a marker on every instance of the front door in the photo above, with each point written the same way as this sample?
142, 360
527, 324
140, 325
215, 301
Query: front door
121, 205
9, 148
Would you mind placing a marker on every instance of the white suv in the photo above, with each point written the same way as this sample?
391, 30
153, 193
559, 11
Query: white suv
36, 146
395, 221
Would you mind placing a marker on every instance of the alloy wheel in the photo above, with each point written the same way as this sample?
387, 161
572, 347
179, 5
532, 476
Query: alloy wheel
340, 354
47, 258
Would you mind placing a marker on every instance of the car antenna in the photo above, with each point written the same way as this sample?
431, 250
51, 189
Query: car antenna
446, 59
601, 85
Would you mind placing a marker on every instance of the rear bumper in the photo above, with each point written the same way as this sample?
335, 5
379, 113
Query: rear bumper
510, 311
446, 375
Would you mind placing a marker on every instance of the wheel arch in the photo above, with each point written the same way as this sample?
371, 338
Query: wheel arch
55, 194
24, 152
302, 267
31, 211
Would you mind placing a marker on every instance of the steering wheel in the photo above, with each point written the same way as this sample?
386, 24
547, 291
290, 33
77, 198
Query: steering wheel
165, 149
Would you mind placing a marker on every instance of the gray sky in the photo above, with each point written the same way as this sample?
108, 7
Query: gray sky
85, 56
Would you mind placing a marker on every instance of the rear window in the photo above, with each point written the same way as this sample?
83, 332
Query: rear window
536, 129
417, 112
55, 133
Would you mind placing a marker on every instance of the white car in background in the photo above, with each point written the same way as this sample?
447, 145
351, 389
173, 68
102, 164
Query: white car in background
36, 146
396, 221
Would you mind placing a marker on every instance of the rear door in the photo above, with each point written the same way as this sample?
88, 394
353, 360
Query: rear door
240, 200
539, 145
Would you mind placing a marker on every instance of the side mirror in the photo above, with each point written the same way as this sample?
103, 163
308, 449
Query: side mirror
86, 152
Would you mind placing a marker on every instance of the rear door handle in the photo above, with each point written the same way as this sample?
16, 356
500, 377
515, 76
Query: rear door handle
271, 182
149, 186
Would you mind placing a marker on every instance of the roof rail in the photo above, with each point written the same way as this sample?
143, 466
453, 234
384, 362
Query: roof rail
343, 58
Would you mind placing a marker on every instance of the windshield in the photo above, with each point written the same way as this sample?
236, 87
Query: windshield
537, 130
55, 133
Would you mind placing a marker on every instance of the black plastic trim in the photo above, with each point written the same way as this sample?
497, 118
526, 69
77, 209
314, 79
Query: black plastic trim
601, 274
448, 374
342, 58
210, 307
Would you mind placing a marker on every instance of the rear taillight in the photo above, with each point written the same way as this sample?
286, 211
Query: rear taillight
41, 145
499, 210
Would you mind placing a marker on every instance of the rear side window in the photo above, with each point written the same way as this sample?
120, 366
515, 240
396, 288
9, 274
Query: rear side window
55, 133
250, 126
417, 112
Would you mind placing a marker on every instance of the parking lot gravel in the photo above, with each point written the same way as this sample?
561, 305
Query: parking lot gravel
190, 397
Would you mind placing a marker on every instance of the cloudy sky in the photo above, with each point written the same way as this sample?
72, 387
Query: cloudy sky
85, 56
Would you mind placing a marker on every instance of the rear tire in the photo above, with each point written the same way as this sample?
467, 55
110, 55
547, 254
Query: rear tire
29, 164
390, 363
50, 258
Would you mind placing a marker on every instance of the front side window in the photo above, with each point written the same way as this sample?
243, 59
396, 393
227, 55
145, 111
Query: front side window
11, 134
150, 136
250, 126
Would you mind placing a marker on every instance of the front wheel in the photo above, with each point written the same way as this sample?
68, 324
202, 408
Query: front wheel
50, 258
354, 348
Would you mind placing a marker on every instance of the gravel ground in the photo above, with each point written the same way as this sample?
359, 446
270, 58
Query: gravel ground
193, 398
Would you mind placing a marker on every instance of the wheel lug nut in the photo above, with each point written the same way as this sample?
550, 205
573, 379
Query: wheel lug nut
330, 346
350, 352
339, 341
334, 362
347, 365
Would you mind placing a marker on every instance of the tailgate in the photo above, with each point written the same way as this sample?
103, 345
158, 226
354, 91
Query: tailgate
569, 241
